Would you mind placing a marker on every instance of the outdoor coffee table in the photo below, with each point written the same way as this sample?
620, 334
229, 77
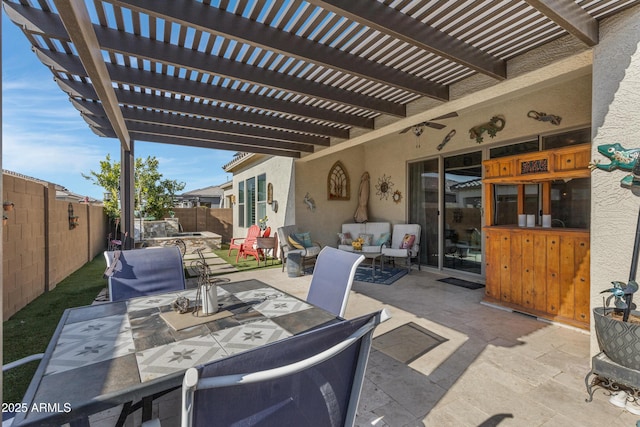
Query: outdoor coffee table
373, 256
125, 352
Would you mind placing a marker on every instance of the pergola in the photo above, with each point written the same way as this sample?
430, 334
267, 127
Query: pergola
281, 77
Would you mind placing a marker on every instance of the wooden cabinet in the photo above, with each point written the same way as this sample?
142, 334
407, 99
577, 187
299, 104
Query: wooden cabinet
536, 270
541, 272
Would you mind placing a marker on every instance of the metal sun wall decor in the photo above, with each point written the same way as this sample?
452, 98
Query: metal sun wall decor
621, 158
397, 196
383, 187
492, 127
544, 117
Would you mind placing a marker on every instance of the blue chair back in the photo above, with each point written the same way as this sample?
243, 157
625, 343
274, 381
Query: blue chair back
311, 379
332, 279
140, 272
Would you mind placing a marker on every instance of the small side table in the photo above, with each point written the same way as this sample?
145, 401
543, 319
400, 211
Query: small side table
267, 244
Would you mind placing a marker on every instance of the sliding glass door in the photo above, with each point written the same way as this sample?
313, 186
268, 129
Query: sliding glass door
463, 212
423, 207
452, 240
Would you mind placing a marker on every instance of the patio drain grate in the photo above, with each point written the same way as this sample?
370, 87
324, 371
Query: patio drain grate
408, 342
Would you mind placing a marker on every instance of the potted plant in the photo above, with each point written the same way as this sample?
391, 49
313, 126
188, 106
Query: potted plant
618, 329
7, 205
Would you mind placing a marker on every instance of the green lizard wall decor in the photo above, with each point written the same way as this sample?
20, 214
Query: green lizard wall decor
621, 158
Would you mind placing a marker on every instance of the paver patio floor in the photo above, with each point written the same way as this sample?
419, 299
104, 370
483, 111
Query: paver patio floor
495, 367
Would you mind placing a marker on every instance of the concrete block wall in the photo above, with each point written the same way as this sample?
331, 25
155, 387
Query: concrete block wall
39, 248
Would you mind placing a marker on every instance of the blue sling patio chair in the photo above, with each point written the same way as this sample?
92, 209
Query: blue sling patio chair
332, 279
311, 379
140, 272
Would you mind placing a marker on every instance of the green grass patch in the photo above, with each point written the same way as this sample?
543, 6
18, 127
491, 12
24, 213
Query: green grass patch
243, 264
29, 330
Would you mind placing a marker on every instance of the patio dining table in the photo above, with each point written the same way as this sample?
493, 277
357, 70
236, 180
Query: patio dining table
129, 352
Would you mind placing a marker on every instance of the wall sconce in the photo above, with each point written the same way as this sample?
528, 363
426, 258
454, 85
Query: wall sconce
73, 220
7, 205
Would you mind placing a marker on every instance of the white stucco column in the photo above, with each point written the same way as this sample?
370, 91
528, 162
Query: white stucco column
615, 118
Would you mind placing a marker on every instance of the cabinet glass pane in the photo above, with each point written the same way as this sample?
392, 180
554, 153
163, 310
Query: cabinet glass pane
532, 201
570, 203
505, 204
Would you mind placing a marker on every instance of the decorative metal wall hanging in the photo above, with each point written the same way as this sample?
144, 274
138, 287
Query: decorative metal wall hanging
418, 128
492, 127
621, 158
544, 117
397, 196
269, 193
73, 219
311, 204
446, 139
338, 183
383, 187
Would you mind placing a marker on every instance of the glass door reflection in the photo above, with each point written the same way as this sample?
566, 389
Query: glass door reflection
463, 212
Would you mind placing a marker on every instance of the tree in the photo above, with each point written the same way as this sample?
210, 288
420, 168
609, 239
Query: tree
153, 194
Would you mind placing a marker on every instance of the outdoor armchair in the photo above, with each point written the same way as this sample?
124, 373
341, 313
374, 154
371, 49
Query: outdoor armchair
285, 237
332, 279
139, 272
405, 243
311, 379
237, 242
250, 247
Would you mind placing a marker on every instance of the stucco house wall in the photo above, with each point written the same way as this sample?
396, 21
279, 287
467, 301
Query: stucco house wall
390, 155
280, 174
615, 118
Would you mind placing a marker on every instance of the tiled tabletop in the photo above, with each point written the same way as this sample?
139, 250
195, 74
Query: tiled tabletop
104, 355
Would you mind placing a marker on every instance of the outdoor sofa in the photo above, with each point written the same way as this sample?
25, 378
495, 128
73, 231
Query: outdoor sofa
375, 234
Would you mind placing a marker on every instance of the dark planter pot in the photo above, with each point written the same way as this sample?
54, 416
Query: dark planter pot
619, 340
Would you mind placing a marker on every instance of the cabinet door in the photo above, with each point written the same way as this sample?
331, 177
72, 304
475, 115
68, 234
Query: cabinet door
515, 276
540, 272
566, 282
528, 266
553, 274
505, 267
582, 280
492, 264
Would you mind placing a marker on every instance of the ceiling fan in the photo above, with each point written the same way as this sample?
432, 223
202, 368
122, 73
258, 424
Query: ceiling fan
418, 128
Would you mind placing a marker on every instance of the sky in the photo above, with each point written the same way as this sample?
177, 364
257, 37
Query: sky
44, 137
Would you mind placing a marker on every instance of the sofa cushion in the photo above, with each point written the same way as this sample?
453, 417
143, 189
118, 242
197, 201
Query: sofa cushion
408, 241
383, 239
294, 242
304, 238
345, 238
